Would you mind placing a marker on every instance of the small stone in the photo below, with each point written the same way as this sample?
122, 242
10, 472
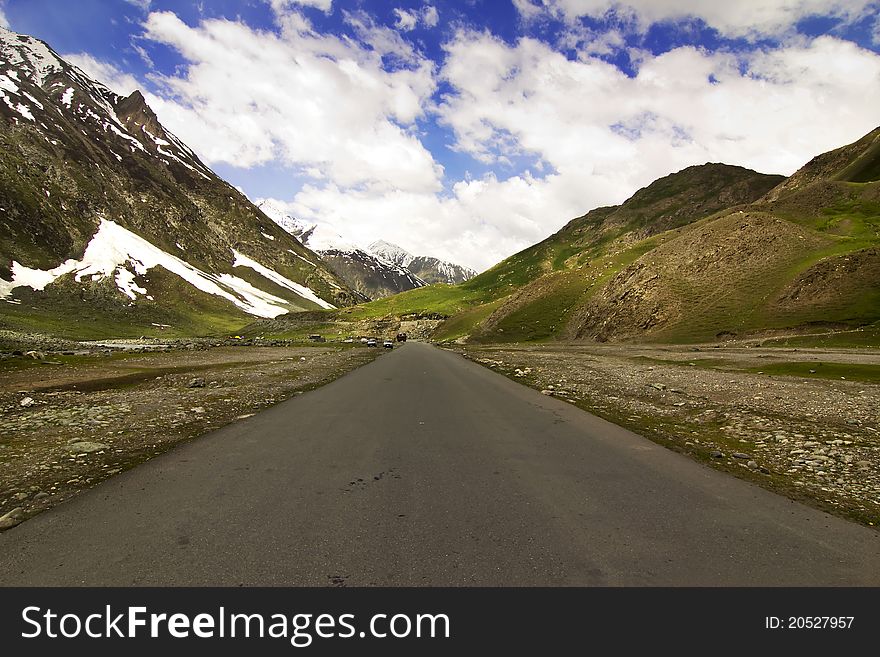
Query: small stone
658, 386
12, 518
715, 454
740, 455
752, 465
198, 409
549, 393
41, 495
21, 496
86, 447
27, 402
197, 382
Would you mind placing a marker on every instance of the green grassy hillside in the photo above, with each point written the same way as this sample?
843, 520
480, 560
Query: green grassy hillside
710, 252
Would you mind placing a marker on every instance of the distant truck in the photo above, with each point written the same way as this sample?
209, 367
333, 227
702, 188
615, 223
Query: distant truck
401, 337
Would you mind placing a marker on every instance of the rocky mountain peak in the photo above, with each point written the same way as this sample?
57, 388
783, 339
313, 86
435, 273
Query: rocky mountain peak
135, 114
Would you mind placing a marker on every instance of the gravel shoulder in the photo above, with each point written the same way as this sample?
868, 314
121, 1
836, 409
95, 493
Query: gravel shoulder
804, 423
70, 420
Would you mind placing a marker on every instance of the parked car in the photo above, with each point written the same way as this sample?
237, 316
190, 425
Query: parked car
388, 344
401, 337
317, 338
372, 343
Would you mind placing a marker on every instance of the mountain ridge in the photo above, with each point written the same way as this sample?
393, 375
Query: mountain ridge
79, 163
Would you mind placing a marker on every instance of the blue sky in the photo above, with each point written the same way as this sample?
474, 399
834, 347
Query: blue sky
470, 129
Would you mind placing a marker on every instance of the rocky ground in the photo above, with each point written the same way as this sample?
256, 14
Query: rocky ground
69, 419
813, 435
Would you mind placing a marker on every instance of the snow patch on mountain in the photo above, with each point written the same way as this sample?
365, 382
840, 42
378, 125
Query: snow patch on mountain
242, 260
316, 236
116, 251
391, 253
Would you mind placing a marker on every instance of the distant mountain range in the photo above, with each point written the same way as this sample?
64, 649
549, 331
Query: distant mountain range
110, 224
379, 270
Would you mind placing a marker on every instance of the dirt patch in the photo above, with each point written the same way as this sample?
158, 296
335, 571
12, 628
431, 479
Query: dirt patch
69, 424
813, 439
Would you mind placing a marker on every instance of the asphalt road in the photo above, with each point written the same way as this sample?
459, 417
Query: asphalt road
422, 468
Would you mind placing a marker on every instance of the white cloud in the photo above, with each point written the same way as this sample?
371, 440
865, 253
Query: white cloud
737, 19
406, 20
281, 6
4, 22
478, 223
321, 103
104, 72
430, 16
143, 5
606, 134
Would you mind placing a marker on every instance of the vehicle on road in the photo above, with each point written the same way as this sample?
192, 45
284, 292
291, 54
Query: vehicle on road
388, 344
401, 337
372, 343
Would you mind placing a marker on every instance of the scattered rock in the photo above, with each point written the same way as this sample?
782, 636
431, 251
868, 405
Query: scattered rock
41, 495
715, 454
12, 518
21, 496
197, 382
658, 386
740, 455
27, 402
549, 393
86, 447
753, 465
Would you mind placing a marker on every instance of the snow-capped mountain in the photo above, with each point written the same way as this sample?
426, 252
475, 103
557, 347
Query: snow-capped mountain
429, 269
372, 276
107, 217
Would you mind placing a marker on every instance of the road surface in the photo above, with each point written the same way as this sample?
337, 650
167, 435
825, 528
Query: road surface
423, 468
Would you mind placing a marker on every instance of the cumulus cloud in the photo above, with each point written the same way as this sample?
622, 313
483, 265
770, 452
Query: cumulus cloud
322, 103
3, 20
107, 74
737, 19
606, 134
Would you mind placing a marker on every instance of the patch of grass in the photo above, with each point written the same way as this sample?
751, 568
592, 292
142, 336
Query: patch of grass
868, 336
462, 324
437, 299
866, 372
